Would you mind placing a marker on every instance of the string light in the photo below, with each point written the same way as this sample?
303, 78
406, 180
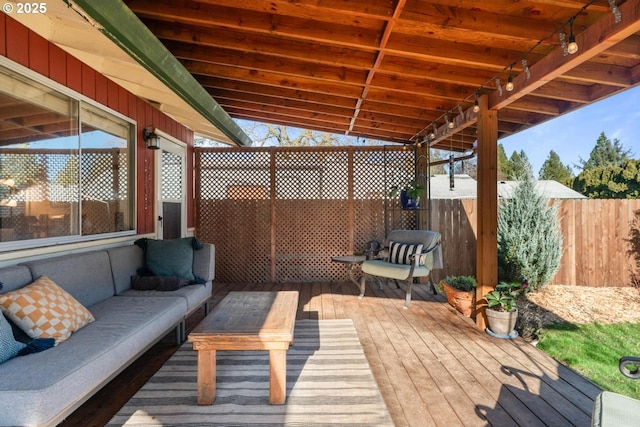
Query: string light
572, 47
568, 48
509, 86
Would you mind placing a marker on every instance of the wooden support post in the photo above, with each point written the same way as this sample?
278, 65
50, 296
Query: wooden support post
487, 227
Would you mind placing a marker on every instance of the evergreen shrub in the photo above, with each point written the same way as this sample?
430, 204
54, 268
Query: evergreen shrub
529, 236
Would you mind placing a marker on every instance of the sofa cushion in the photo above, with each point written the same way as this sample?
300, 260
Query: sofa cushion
125, 262
9, 347
86, 276
35, 388
170, 257
44, 310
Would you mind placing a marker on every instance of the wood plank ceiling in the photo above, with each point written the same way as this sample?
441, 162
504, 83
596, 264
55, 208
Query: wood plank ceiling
393, 70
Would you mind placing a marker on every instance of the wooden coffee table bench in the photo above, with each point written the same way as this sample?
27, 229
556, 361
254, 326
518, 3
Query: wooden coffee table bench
247, 321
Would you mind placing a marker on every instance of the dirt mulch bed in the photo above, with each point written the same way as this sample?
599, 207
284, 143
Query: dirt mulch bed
582, 304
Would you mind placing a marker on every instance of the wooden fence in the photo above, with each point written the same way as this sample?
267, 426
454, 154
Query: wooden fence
596, 247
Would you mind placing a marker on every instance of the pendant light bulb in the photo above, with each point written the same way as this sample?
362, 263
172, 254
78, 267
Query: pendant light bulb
476, 106
572, 47
509, 86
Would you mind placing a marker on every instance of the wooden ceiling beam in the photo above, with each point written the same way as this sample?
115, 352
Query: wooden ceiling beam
453, 53
386, 33
242, 42
219, 87
285, 69
355, 10
273, 79
283, 103
267, 24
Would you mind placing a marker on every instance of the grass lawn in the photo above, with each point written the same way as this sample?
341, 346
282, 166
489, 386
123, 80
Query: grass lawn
593, 350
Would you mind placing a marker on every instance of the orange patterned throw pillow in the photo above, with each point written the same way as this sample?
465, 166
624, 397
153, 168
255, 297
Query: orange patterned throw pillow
42, 309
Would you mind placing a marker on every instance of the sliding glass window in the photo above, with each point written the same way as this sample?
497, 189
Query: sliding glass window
65, 166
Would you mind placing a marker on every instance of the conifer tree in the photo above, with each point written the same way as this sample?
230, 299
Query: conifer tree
552, 168
529, 236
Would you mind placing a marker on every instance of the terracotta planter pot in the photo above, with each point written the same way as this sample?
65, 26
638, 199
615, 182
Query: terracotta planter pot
502, 323
463, 301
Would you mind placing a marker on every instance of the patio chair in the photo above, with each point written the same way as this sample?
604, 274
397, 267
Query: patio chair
617, 410
406, 254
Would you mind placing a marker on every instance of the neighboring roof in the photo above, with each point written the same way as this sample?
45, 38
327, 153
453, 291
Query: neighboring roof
548, 188
466, 187
114, 42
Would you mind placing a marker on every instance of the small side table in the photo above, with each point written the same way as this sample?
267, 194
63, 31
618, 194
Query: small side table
353, 263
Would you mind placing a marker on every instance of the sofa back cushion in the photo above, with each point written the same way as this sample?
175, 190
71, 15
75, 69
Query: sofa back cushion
86, 276
14, 277
125, 262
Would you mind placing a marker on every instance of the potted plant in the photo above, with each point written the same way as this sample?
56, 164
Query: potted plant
502, 311
410, 194
460, 292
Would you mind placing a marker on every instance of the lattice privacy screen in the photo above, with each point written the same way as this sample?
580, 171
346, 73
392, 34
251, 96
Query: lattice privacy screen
280, 214
171, 176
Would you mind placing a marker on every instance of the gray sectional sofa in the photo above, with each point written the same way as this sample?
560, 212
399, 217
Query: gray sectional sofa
43, 388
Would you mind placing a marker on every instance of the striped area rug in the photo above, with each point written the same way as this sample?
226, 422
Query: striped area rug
329, 383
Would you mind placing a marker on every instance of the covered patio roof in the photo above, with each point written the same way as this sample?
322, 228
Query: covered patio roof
392, 70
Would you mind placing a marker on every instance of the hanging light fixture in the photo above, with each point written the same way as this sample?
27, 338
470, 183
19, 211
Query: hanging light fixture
432, 135
476, 106
150, 137
572, 47
509, 86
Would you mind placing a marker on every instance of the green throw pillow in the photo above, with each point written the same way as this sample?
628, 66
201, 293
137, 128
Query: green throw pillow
171, 257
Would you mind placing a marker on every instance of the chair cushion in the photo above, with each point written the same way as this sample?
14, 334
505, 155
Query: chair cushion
42, 309
400, 253
381, 268
615, 410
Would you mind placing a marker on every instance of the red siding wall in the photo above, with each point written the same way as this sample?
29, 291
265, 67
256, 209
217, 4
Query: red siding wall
25, 47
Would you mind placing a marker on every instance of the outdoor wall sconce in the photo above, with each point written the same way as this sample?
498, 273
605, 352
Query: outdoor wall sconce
152, 140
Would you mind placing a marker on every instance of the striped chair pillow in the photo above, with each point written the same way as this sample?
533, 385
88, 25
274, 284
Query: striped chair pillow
399, 253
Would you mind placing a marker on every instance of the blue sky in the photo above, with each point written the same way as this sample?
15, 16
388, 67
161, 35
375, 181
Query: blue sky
574, 135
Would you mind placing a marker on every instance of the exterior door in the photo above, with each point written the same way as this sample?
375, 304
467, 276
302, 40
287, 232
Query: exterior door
172, 183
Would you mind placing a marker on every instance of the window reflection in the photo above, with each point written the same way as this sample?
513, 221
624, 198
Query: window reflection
55, 181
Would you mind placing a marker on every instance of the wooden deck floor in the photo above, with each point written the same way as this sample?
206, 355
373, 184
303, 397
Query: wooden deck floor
433, 367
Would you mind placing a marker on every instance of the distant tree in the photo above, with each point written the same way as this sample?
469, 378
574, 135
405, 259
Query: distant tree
610, 182
504, 166
606, 153
529, 236
437, 156
520, 166
553, 169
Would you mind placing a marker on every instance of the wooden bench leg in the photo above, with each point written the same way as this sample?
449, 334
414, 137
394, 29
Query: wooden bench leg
206, 377
277, 377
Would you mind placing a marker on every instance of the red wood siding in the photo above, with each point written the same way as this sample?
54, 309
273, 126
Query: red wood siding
25, 47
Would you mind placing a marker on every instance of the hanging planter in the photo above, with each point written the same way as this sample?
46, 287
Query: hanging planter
409, 195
